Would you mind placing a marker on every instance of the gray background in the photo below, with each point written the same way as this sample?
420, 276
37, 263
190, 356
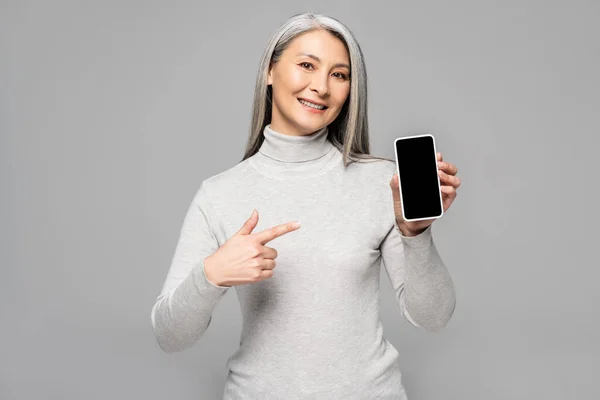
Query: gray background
112, 113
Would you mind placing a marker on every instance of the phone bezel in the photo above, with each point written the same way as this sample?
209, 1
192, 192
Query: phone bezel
437, 174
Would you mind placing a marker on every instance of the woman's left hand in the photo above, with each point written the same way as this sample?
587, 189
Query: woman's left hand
449, 183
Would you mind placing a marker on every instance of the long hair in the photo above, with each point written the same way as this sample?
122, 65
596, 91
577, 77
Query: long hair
349, 132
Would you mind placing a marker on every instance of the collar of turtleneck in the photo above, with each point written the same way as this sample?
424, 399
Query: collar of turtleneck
284, 156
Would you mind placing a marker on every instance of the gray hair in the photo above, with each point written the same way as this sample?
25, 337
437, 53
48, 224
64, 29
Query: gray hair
349, 132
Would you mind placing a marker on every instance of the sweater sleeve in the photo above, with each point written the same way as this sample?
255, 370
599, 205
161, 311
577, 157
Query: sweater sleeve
183, 310
421, 282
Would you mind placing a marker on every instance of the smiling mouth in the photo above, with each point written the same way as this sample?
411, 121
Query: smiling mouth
304, 102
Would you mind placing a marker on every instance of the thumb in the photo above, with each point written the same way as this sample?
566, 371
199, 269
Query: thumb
395, 186
250, 224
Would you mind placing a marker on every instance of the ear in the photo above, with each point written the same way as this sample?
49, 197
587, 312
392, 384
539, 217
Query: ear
269, 75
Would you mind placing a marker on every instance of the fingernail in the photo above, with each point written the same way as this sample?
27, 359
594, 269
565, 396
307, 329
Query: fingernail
296, 224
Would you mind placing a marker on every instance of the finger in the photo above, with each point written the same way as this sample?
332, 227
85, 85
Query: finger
395, 186
250, 224
266, 274
394, 181
271, 233
268, 264
449, 168
439, 156
269, 253
449, 179
449, 191
447, 203
449, 194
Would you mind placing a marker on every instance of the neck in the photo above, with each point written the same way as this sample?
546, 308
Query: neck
284, 156
291, 148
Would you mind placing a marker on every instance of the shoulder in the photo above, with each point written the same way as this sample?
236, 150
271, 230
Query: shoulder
224, 183
374, 170
370, 179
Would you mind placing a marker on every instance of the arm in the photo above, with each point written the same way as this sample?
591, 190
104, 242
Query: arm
421, 282
183, 310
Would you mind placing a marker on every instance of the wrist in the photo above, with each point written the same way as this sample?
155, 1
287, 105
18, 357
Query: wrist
209, 272
409, 232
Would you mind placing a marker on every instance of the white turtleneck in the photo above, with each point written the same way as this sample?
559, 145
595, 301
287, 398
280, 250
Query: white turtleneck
312, 330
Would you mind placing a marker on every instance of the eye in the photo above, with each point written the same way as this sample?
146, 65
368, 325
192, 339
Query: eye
342, 76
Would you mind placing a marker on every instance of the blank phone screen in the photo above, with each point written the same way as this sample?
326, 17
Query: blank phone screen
419, 184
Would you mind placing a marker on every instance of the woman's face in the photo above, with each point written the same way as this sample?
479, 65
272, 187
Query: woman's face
314, 67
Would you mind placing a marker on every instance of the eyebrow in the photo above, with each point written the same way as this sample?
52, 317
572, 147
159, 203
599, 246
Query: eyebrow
319, 60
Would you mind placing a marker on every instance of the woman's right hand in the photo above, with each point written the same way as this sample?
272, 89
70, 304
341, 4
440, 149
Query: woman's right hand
244, 258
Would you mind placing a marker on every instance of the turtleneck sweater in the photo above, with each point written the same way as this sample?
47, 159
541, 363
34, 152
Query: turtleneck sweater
313, 329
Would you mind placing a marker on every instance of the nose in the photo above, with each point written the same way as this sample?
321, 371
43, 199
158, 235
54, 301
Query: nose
320, 84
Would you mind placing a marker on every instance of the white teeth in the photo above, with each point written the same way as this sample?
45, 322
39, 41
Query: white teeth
306, 103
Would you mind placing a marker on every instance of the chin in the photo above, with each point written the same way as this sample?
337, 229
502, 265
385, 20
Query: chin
310, 128
311, 124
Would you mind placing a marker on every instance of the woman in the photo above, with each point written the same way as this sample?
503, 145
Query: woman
311, 328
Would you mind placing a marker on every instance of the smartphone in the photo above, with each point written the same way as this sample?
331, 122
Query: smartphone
419, 182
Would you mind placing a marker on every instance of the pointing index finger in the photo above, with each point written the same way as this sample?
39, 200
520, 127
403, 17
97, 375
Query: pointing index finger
279, 230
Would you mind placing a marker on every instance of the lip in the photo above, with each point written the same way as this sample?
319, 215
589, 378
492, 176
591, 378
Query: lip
311, 109
314, 102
